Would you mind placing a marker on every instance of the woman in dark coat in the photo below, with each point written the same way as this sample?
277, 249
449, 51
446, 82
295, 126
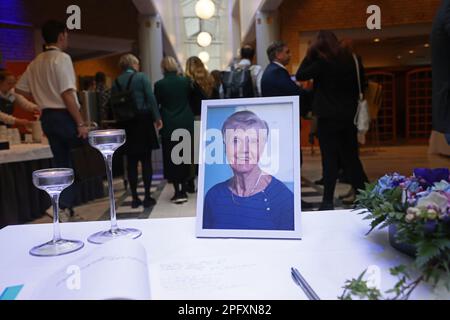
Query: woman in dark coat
172, 94
440, 43
336, 92
203, 88
203, 85
141, 134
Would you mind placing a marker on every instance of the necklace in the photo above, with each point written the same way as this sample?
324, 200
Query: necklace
254, 187
264, 201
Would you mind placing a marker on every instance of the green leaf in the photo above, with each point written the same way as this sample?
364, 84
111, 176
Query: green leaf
426, 250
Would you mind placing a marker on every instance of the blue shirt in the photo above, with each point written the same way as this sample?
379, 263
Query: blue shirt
271, 209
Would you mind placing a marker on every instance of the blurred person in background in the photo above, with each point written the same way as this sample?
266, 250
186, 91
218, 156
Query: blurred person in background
50, 81
277, 82
172, 94
247, 54
203, 87
103, 96
440, 44
217, 75
9, 98
336, 93
141, 134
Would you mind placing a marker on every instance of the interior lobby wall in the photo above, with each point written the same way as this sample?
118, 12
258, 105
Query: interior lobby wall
108, 65
310, 15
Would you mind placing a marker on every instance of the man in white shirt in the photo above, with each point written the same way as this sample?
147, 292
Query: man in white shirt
242, 79
50, 80
247, 55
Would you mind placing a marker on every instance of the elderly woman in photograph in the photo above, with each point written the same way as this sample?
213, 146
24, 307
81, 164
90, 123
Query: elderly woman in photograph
251, 199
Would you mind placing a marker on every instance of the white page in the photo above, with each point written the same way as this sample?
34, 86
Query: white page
115, 270
222, 278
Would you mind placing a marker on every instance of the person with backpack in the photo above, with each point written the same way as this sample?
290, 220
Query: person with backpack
243, 80
135, 110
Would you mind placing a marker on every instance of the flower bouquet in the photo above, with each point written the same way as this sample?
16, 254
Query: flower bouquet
416, 210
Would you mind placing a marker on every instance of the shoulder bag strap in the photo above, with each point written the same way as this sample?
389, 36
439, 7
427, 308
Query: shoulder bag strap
361, 96
130, 80
128, 83
119, 87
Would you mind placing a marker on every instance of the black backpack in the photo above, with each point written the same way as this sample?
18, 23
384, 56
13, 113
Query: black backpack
238, 83
123, 103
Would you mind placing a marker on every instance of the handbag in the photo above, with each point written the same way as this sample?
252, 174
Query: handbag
362, 117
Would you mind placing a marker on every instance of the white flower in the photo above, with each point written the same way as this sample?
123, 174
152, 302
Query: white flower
434, 199
410, 217
413, 211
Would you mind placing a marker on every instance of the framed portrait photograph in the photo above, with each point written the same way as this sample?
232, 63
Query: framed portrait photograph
249, 182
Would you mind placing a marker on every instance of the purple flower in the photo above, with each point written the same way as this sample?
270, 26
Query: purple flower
428, 177
446, 218
430, 226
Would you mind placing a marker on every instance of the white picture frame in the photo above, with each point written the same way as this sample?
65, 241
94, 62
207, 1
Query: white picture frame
219, 213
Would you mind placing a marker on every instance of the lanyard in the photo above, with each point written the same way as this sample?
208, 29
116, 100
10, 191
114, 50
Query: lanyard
50, 48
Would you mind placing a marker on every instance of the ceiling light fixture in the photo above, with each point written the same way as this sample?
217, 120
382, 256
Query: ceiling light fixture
376, 40
204, 56
204, 39
205, 9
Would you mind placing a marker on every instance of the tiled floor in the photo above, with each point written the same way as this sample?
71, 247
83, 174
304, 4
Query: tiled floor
377, 162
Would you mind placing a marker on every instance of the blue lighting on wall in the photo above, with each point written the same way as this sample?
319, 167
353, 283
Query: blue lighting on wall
16, 33
13, 12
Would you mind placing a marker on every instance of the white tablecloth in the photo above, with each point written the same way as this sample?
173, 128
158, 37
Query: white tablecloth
25, 152
334, 248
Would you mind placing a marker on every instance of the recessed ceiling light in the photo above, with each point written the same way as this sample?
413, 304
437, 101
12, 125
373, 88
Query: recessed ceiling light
426, 45
399, 57
411, 51
376, 40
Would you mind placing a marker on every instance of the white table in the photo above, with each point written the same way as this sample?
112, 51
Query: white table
25, 152
333, 250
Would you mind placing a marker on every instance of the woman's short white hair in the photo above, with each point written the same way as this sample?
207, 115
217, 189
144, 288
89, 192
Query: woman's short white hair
128, 60
244, 120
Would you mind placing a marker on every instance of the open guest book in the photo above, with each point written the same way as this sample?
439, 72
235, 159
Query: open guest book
115, 270
120, 269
